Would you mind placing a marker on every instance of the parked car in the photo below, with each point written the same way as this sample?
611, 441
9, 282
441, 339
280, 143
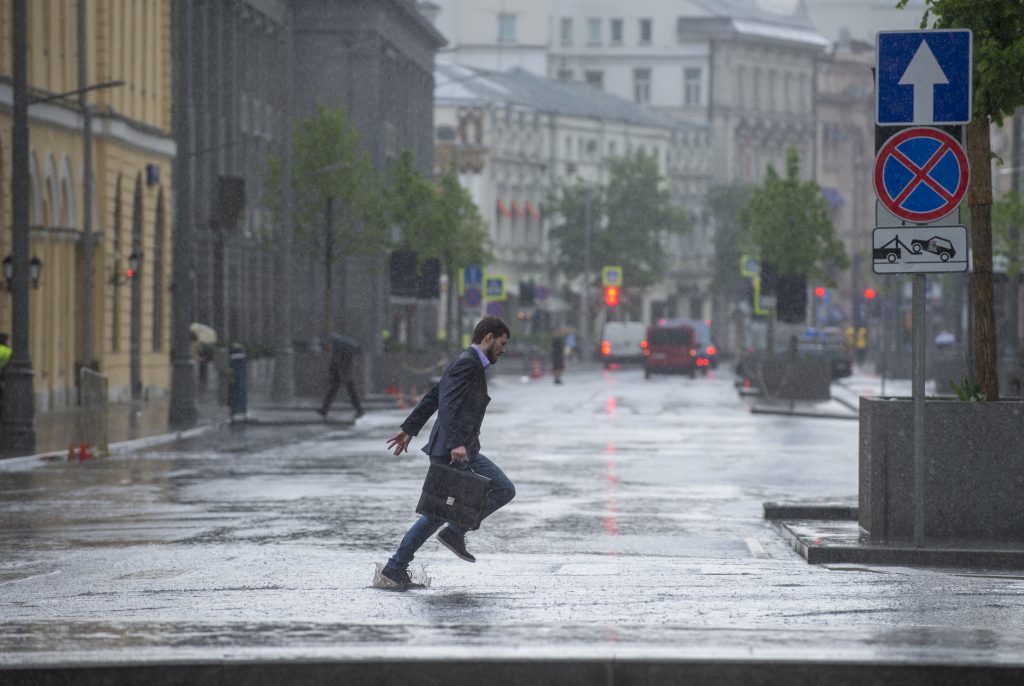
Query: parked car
707, 352
936, 244
621, 343
670, 347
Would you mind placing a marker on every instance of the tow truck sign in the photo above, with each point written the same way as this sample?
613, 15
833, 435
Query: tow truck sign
919, 249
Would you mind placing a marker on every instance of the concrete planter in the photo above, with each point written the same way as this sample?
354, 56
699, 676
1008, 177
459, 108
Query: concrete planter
974, 472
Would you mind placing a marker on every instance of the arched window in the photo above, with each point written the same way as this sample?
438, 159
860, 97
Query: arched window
159, 230
135, 320
35, 202
67, 194
115, 308
52, 214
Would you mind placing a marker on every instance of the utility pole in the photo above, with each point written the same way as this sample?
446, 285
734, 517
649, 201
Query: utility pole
284, 357
87, 193
585, 343
328, 264
183, 383
17, 423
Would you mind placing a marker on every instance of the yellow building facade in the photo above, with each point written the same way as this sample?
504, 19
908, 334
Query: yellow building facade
133, 150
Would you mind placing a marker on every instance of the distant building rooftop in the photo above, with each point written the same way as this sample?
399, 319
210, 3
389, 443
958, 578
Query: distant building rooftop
458, 83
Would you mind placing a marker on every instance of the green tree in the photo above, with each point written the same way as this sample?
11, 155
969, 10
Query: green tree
409, 204
725, 204
629, 221
998, 79
787, 223
1007, 226
458, 238
339, 210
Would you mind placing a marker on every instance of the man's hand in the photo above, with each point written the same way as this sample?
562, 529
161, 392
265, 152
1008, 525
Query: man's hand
459, 455
399, 443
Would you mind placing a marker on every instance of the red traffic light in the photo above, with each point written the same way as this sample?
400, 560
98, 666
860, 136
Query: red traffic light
819, 291
130, 273
611, 296
869, 293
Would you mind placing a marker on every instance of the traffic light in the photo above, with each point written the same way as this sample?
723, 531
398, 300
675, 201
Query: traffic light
869, 294
428, 280
791, 298
527, 293
611, 296
819, 291
404, 279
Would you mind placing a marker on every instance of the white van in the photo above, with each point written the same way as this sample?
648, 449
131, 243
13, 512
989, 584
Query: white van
621, 342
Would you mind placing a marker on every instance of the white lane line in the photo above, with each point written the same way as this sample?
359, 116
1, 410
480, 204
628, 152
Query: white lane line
755, 549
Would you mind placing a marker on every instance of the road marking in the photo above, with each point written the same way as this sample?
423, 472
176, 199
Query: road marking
755, 549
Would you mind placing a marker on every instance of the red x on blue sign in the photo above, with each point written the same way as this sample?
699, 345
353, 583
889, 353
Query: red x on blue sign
921, 174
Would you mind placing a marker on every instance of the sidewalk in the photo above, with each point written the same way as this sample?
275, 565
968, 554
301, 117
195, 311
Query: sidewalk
56, 430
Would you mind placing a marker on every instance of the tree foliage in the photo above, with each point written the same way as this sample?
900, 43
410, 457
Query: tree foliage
458, 232
787, 223
329, 166
409, 203
725, 204
629, 220
998, 88
998, 28
1007, 227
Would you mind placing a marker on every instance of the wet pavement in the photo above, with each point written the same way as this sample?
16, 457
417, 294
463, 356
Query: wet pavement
638, 533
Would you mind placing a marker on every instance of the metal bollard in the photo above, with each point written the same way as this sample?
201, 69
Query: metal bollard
237, 390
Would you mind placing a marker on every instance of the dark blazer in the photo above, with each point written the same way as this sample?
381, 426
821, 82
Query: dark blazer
461, 400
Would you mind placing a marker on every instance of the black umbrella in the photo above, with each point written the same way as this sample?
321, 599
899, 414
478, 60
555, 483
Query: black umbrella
340, 342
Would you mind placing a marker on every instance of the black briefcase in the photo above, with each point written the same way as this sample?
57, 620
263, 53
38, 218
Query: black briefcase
454, 495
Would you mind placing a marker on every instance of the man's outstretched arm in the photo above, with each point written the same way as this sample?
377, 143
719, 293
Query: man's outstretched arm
424, 410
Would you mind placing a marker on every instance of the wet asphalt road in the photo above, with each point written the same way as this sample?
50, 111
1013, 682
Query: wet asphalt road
637, 532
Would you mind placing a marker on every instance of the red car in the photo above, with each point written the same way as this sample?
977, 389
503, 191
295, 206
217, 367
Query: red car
670, 348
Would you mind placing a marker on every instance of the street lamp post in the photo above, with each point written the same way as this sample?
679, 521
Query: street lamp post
17, 420
183, 411
87, 191
284, 357
585, 343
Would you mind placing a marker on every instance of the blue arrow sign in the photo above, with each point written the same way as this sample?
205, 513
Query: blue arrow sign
924, 77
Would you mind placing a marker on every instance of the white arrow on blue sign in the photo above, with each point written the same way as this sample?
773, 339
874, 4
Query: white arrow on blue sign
923, 77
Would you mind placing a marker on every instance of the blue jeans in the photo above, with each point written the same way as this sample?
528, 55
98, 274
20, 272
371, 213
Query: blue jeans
498, 495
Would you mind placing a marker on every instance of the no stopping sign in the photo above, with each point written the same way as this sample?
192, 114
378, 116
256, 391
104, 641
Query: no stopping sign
921, 174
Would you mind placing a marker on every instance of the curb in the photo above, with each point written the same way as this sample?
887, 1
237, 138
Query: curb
513, 672
123, 446
820, 548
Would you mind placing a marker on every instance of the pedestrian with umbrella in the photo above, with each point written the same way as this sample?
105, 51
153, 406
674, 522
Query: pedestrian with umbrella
343, 352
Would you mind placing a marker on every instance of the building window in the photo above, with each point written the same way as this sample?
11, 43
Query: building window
566, 34
595, 78
691, 86
645, 31
681, 30
642, 86
593, 31
159, 230
616, 31
506, 28
115, 310
565, 74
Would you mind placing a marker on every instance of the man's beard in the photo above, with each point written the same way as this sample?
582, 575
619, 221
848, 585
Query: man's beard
491, 357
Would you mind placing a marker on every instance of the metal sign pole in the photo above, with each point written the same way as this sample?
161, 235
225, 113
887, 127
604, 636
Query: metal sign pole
918, 396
